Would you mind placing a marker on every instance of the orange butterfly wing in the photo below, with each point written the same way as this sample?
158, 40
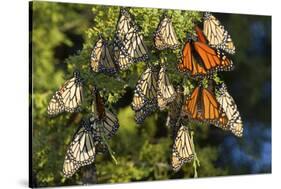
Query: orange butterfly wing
189, 63
203, 106
213, 60
210, 59
200, 35
191, 105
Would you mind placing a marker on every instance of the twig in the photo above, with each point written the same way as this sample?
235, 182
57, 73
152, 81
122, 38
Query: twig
196, 161
111, 152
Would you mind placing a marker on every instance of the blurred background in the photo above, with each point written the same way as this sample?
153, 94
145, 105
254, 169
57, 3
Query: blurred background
61, 38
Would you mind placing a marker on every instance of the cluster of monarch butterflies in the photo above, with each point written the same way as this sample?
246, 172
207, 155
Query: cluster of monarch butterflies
88, 140
203, 54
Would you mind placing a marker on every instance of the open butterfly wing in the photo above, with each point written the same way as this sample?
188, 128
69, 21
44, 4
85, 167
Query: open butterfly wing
190, 64
200, 35
202, 106
212, 60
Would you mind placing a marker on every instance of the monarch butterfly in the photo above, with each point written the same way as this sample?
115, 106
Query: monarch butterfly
124, 24
166, 92
230, 108
103, 122
120, 59
101, 60
175, 108
217, 36
200, 60
82, 148
129, 40
68, 98
69, 167
182, 148
133, 45
165, 35
147, 84
202, 105
145, 94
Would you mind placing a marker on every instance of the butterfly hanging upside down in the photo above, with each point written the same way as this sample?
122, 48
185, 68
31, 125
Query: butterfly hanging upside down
81, 150
129, 44
145, 94
68, 98
199, 60
165, 36
229, 106
101, 125
216, 35
101, 60
152, 90
202, 105
183, 151
104, 122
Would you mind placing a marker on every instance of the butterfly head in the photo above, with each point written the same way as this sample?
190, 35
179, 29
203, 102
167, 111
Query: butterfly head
206, 15
180, 88
94, 90
86, 124
76, 74
124, 11
190, 37
221, 88
166, 17
101, 38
